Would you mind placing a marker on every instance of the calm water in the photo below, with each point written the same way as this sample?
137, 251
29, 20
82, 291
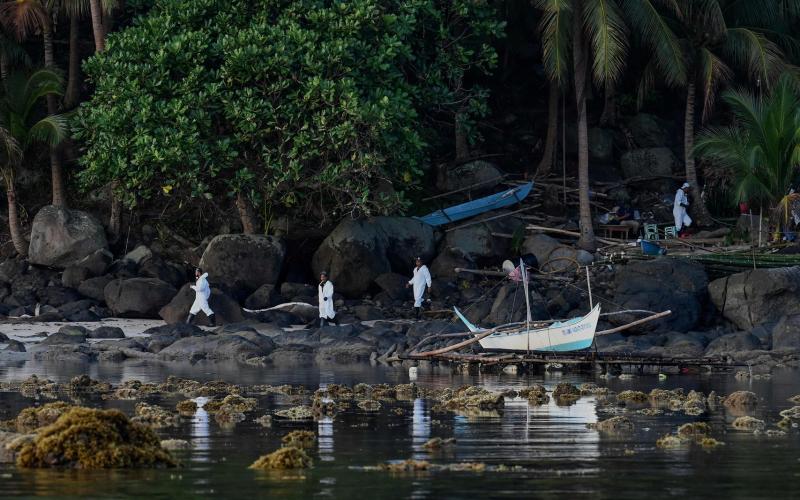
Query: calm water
560, 456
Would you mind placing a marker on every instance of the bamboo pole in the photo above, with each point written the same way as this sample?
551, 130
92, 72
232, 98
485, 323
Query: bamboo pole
608, 241
466, 188
492, 218
635, 323
501, 274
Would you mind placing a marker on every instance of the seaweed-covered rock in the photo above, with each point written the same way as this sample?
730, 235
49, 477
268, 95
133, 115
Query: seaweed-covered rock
612, 425
299, 439
283, 458
86, 438
369, 405
749, 424
176, 444
694, 430
296, 413
30, 419
155, 416
474, 397
632, 396
741, 400
438, 443
186, 408
566, 390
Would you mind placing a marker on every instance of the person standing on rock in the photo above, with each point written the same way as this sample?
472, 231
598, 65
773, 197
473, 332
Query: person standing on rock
202, 292
679, 208
325, 292
420, 281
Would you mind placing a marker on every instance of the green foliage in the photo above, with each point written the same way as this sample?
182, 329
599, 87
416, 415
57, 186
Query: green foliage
312, 107
759, 154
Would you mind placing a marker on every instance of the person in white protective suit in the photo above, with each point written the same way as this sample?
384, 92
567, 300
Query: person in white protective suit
420, 281
679, 208
325, 290
202, 292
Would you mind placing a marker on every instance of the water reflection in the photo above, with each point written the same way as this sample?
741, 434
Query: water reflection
420, 430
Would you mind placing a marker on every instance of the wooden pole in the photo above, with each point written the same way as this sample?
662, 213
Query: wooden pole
492, 218
608, 241
635, 323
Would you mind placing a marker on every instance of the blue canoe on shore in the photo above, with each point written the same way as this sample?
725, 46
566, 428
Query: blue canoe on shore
476, 207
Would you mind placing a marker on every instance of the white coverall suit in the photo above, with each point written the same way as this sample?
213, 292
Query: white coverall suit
326, 300
202, 294
679, 210
421, 280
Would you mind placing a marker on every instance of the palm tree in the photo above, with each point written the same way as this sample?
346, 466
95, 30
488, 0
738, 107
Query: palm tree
716, 36
20, 128
593, 34
760, 153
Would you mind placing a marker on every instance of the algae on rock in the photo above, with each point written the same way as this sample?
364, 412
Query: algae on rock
304, 440
283, 458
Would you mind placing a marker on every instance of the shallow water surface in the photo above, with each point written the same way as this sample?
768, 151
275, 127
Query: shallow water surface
551, 452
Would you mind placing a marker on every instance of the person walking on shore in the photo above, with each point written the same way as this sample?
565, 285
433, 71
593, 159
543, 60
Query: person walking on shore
420, 281
679, 208
325, 290
202, 292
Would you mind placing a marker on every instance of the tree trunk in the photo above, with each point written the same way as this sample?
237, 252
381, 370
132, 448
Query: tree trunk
17, 239
72, 93
609, 116
462, 143
246, 214
115, 219
97, 25
580, 67
552, 133
699, 210
3, 66
56, 169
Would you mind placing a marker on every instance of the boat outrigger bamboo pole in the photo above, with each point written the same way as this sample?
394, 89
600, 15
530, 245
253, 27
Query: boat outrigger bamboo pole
635, 323
589, 287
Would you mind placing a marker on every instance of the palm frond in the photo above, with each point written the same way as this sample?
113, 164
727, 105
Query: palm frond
608, 38
50, 130
555, 33
713, 72
649, 23
23, 17
760, 57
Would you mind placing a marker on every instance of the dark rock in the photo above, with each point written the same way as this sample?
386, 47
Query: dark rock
57, 296
73, 276
14, 346
551, 255
94, 288
481, 172
138, 297
786, 335
753, 297
382, 338
234, 346
226, 310
601, 144
681, 345
447, 261
63, 338
241, 263
292, 355
78, 331
11, 269
18, 312
657, 285
97, 262
139, 254
3, 337
265, 297
163, 336
278, 318
107, 332
394, 285
62, 352
344, 351
358, 251
648, 131
294, 291
61, 237
156, 267
366, 312
123, 269
77, 306
83, 316
651, 162
732, 344
477, 244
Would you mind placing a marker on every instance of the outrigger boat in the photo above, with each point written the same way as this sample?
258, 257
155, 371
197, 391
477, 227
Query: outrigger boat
476, 207
559, 336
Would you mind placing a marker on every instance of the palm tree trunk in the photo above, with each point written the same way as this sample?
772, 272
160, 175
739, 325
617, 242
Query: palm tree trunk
115, 219
56, 169
552, 133
245, 214
17, 239
699, 209
462, 143
4, 66
97, 25
580, 67
72, 92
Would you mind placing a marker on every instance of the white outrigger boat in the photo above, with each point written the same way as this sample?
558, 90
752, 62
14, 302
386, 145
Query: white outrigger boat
558, 336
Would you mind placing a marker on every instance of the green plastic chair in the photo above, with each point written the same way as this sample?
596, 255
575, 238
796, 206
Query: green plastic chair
650, 232
670, 232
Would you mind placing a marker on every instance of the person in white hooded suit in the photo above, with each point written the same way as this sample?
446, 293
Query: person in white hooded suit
325, 291
679, 208
421, 281
202, 292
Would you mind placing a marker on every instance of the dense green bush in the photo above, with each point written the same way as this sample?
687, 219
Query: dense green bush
309, 106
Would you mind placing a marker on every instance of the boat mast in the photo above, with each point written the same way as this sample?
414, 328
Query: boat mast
589, 287
524, 274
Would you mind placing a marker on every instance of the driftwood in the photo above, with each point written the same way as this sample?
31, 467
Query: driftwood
607, 241
501, 274
468, 224
634, 323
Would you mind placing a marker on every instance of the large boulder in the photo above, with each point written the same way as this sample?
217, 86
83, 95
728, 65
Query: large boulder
648, 131
786, 334
651, 162
664, 283
95, 288
225, 308
479, 172
477, 244
240, 263
238, 346
358, 251
137, 297
62, 237
552, 255
601, 144
753, 297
